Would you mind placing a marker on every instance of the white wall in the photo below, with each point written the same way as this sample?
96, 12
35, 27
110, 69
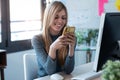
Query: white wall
110, 6
83, 13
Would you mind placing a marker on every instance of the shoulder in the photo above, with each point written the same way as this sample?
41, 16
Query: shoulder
37, 39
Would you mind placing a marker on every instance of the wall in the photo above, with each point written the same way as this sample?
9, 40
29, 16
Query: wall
110, 6
83, 13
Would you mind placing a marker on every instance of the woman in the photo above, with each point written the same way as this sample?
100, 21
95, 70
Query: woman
55, 52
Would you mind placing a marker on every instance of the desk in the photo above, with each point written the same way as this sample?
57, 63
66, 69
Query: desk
77, 71
98, 78
2, 63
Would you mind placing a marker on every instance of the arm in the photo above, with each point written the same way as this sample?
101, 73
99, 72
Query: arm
43, 58
70, 62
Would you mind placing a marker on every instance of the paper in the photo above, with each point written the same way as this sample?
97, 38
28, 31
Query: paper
101, 6
105, 1
117, 4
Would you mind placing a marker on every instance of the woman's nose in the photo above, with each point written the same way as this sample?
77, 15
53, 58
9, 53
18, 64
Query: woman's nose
60, 20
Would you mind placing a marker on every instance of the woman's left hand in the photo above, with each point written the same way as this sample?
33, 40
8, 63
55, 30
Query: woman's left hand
70, 39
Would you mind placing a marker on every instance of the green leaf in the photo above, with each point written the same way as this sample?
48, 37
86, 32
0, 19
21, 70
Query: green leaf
111, 70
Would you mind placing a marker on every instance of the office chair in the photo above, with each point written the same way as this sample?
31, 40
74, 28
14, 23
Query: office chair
30, 66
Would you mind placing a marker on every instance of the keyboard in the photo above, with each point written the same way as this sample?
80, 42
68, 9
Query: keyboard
87, 76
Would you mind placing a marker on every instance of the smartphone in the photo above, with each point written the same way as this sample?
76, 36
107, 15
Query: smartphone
68, 29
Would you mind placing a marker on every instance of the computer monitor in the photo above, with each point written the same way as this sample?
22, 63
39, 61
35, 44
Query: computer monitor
108, 37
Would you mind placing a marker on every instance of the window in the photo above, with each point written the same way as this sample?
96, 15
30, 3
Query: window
20, 20
25, 19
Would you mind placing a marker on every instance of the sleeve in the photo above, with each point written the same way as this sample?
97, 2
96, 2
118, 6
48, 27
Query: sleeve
69, 63
43, 59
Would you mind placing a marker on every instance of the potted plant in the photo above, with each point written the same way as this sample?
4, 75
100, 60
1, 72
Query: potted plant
85, 36
111, 70
91, 35
79, 36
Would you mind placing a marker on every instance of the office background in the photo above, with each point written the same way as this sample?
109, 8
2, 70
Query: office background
82, 14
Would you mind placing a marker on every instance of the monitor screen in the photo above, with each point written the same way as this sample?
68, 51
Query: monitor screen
108, 38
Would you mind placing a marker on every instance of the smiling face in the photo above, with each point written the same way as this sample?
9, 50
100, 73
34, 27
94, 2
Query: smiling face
59, 21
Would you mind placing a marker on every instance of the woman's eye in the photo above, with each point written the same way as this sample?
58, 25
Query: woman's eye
63, 18
56, 17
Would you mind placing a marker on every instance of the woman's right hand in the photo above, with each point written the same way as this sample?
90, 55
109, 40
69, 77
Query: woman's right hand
59, 42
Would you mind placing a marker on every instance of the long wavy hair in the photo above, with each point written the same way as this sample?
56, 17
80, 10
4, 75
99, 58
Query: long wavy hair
49, 16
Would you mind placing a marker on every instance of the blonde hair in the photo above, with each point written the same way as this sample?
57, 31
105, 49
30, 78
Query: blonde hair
49, 15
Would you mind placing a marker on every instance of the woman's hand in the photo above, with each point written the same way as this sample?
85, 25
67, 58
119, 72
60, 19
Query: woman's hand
62, 41
71, 41
59, 42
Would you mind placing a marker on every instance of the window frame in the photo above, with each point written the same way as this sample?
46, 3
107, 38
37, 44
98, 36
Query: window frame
7, 44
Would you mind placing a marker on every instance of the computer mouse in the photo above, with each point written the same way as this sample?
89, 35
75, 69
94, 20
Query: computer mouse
56, 76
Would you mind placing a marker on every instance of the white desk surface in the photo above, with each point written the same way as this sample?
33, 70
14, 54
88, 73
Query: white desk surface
81, 69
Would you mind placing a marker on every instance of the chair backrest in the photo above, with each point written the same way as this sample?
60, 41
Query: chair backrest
30, 66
